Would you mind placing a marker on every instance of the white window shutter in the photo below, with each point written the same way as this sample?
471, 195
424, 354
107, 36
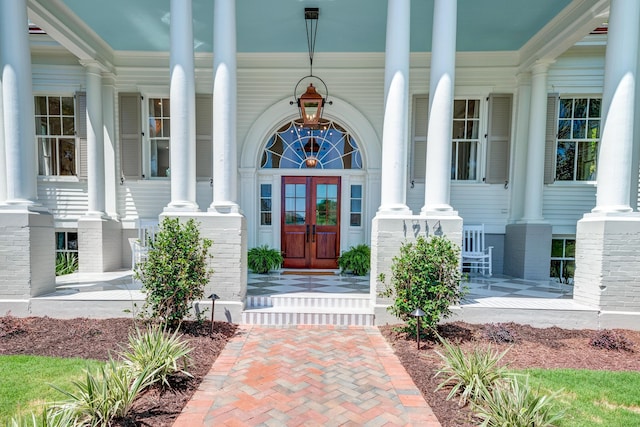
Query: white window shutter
204, 136
550, 139
130, 134
498, 138
419, 137
81, 133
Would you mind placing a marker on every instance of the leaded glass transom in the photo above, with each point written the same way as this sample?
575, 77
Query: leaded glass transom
332, 146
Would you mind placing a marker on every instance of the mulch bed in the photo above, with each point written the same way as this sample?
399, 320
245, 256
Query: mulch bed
100, 338
548, 348
531, 347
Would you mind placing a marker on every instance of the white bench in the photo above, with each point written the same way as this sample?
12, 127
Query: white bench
475, 256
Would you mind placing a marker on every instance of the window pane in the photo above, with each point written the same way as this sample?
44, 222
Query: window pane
580, 109
472, 129
557, 248
594, 107
265, 218
564, 129
332, 191
155, 107
72, 241
566, 108
54, 105
594, 129
587, 152
356, 191
265, 204
166, 128
301, 190
570, 248
579, 129
554, 271
67, 157
356, 205
458, 129
41, 126
55, 126
265, 190
459, 109
473, 112
300, 205
355, 220
466, 161
165, 107
67, 106
68, 126
41, 105
564, 161
60, 243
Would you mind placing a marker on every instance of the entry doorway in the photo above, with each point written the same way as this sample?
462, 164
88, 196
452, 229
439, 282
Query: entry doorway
310, 222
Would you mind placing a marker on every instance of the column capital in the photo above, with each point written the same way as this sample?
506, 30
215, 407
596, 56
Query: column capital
541, 66
94, 66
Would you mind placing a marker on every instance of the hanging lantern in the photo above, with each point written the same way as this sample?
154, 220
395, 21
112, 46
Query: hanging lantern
311, 150
311, 104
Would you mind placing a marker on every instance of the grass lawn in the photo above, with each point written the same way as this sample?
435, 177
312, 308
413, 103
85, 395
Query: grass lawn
593, 397
24, 381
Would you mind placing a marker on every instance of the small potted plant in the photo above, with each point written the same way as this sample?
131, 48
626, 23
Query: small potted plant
356, 260
262, 259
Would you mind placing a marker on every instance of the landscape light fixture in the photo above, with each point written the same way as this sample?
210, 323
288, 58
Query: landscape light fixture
418, 314
213, 298
311, 103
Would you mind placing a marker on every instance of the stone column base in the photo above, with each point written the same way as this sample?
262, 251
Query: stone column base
27, 254
229, 263
608, 262
388, 233
99, 245
527, 251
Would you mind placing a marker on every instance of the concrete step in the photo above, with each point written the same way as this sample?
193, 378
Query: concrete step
309, 309
311, 300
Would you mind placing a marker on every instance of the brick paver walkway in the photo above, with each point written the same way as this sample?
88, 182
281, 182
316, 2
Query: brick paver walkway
311, 376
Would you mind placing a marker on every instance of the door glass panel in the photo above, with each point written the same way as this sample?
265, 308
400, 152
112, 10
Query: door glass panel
327, 204
295, 204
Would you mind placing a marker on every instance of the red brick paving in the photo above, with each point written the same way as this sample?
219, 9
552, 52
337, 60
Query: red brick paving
311, 376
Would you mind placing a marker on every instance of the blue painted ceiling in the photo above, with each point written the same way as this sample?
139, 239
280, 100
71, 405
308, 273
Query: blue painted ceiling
344, 25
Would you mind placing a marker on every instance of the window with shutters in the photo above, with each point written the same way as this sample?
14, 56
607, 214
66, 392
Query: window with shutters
159, 133
55, 127
577, 139
465, 139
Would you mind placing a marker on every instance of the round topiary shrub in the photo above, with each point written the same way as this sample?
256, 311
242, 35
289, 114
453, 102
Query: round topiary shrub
425, 275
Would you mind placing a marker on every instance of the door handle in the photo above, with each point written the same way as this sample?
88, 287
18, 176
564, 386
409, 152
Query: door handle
307, 233
313, 233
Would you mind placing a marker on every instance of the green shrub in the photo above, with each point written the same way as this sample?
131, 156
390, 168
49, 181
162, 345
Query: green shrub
425, 275
175, 272
357, 260
66, 263
515, 404
469, 375
158, 351
262, 259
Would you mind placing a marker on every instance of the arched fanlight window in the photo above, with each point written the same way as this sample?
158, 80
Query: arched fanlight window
295, 147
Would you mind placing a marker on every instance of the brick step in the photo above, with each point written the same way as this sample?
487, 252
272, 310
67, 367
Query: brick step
302, 300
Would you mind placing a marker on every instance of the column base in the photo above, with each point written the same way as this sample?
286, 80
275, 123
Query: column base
229, 263
389, 233
607, 262
27, 254
528, 251
99, 244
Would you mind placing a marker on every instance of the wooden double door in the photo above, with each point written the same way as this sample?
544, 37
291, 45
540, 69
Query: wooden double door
310, 221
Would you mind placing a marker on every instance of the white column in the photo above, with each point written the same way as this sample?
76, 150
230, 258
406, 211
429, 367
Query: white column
183, 109
518, 183
224, 108
111, 177
396, 106
95, 142
534, 184
17, 100
442, 82
618, 108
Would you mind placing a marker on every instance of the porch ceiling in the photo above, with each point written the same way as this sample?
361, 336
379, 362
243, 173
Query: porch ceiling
344, 26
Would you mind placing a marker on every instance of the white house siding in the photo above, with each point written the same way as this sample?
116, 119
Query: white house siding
564, 205
66, 199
